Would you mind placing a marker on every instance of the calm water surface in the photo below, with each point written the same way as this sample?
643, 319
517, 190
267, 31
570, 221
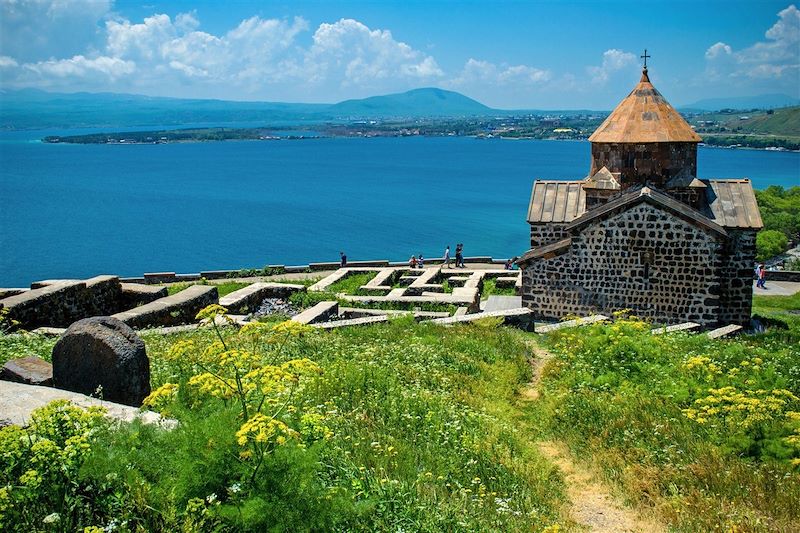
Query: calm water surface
82, 210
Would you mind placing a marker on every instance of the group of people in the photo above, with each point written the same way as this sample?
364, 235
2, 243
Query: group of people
419, 262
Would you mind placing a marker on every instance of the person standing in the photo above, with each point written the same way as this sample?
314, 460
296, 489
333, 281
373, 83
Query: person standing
421, 261
412, 263
761, 274
447, 256
460, 256
343, 259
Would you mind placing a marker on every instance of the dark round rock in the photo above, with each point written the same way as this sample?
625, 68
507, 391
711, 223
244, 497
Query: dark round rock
102, 352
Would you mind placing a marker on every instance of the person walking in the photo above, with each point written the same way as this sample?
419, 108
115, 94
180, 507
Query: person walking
343, 259
761, 274
447, 256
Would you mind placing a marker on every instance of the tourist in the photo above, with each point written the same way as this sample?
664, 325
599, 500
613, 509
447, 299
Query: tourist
343, 257
509, 265
447, 256
761, 274
421, 261
412, 263
460, 256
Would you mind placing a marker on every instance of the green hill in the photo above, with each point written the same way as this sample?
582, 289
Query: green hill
428, 102
780, 122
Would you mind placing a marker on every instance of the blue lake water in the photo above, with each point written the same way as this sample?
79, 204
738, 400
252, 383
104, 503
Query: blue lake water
83, 210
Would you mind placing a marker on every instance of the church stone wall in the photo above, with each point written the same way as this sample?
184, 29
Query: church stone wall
547, 233
644, 259
736, 296
653, 163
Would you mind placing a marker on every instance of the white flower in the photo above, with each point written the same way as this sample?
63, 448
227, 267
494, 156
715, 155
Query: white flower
211, 498
235, 488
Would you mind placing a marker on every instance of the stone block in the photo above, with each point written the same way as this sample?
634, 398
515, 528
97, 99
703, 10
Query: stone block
18, 401
102, 353
521, 318
180, 308
136, 294
31, 370
319, 313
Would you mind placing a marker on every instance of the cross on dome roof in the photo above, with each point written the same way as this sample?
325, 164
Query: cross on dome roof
644, 116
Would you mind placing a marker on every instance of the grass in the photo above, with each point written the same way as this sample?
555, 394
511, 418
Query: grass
422, 428
699, 431
352, 284
490, 288
224, 288
412, 426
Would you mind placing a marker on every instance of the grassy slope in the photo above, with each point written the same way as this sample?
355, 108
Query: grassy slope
618, 397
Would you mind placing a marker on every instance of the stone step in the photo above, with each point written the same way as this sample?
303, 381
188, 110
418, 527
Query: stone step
359, 312
353, 322
461, 311
248, 299
180, 308
136, 294
686, 326
724, 331
571, 323
521, 317
319, 313
18, 400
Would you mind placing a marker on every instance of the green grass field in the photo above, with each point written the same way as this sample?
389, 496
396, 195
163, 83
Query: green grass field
416, 427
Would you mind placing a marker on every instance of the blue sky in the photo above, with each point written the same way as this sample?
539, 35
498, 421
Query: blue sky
544, 55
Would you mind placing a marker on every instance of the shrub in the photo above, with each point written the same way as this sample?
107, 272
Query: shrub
770, 243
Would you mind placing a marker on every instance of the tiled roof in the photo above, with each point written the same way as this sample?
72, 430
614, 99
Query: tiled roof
732, 204
556, 201
644, 116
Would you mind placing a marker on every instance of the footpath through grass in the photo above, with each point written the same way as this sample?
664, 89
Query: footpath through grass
705, 433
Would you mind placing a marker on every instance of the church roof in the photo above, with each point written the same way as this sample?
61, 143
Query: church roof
652, 196
644, 116
732, 203
602, 179
556, 201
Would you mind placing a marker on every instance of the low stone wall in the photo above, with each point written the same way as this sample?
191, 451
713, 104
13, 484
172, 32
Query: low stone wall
61, 302
247, 299
180, 308
136, 294
783, 275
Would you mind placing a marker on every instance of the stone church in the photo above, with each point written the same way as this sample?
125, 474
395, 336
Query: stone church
641, 231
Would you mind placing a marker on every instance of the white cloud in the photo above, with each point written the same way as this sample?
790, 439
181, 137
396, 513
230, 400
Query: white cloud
162, 54
718, 50
614, 60
78, 66
352, 54
477, 71
776, 57
7, 62
36, 30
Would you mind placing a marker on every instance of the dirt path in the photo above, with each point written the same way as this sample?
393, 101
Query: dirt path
591, 504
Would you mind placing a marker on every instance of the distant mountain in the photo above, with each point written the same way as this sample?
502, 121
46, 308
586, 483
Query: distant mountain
427, 102
762, 101
33, 108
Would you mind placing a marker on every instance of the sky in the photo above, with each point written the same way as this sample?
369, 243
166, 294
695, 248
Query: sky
506, 54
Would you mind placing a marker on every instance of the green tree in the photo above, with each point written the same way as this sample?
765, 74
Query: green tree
770, 243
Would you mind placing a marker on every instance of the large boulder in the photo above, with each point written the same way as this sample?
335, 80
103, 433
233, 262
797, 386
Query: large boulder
102, 352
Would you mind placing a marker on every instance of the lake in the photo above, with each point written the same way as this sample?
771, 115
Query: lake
83, 210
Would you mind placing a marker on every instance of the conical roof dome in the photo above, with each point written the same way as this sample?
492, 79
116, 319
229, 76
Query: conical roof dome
644, 116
